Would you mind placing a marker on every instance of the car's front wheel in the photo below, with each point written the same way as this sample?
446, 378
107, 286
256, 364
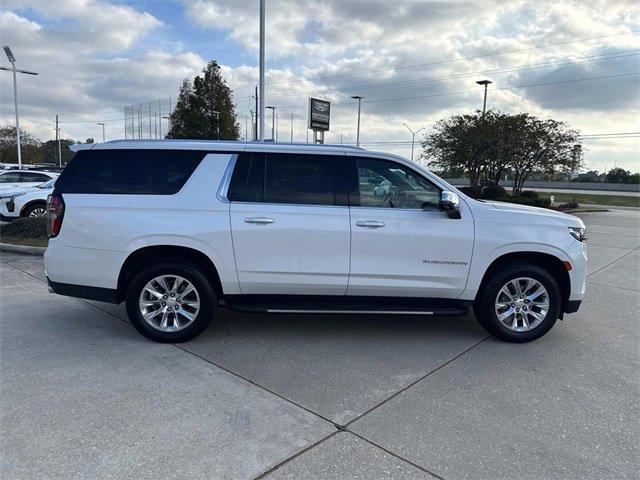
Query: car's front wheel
35, 210
519, 304
170, 302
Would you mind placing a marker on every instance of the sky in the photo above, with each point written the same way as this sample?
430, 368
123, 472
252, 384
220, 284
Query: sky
414, 62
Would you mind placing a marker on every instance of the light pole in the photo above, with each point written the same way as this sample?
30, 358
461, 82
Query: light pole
168, 123
262, 50
13, 69
103, 138
273, 122
359, 98
413, 137
485, 83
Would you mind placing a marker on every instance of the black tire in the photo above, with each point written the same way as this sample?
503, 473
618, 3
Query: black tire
33, 207
206, 293
484, 306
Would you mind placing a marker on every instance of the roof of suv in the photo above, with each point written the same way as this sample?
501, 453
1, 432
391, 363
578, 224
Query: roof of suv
214, 145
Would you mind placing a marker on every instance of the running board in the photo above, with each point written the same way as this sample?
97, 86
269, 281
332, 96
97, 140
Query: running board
302, 304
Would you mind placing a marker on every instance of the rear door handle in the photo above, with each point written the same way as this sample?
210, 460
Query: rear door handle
259, 220
370, 224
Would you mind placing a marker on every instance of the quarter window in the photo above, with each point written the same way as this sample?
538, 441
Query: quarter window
385, 184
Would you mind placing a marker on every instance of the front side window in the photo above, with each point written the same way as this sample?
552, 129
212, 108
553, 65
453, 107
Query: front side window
386, 184
11, 177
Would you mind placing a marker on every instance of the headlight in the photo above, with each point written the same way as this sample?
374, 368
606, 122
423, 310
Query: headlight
9, 198
579, 233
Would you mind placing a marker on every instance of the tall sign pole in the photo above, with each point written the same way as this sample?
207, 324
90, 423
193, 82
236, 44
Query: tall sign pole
262, 35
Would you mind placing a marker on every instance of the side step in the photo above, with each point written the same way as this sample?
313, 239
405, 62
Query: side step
346, 305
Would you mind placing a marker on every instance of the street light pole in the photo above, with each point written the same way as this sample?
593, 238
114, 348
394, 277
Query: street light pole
262, 49
413, 137
103, 137
13, 69
485, 83
273, 122
359, 98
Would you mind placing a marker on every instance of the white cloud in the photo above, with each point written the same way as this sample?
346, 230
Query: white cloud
94, 57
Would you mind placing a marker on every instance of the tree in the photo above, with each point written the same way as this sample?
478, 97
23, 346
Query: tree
618, 175
205, 110
50, 151
496, 143
30, 146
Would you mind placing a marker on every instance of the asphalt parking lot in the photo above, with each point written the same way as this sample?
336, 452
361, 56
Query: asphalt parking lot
288, 397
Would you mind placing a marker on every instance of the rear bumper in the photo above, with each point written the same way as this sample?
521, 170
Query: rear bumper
82, 291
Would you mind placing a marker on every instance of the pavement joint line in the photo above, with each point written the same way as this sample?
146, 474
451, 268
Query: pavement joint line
616, 260
612, 286
404, 389
419, 467
294, 456
288, 400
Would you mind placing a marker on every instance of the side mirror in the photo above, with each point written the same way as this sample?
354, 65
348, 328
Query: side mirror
450, 204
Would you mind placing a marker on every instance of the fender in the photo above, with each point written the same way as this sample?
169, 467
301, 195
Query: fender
479, 266
225, 265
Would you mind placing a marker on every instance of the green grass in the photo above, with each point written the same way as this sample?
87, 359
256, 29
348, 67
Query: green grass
25, 231
594, 199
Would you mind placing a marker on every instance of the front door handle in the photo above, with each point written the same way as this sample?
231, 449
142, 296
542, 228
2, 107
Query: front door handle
259, 220
370, 224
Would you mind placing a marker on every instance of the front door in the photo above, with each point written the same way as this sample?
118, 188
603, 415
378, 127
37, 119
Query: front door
290, 226
402, 244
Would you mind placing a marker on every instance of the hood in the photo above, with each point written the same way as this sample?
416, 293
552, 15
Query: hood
15, 191
569, 220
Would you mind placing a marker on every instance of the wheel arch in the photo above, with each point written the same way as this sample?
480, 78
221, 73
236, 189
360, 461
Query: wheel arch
551, 263
149, 255
30, 203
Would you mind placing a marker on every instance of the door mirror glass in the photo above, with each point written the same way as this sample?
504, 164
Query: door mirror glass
450, 204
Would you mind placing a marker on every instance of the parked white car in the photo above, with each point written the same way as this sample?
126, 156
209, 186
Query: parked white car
10, 179
25, 202
177, 228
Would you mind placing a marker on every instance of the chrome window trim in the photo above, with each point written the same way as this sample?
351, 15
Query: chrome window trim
223, 189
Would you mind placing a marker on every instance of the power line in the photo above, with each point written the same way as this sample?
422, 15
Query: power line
440, 62
594, 58
467, 92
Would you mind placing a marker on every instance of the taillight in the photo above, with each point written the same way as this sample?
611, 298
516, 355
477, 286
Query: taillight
55, 214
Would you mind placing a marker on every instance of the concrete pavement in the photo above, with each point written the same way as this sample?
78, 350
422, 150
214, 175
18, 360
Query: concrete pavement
301, 396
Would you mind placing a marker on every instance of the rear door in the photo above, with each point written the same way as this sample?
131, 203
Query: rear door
32, 179
402, 243
290, 224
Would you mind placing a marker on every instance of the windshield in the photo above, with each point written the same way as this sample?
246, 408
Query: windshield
48, 184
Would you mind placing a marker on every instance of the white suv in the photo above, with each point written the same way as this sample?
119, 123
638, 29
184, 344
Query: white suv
178, 228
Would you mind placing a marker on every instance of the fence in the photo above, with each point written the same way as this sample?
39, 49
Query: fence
148, 120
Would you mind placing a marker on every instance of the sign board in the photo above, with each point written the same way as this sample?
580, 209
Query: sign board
319, 114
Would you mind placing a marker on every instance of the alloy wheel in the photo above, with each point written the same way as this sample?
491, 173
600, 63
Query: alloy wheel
522, 304
169, 303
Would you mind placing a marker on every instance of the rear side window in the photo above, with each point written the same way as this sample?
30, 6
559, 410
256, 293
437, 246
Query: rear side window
288, 178
34, 177
129, 172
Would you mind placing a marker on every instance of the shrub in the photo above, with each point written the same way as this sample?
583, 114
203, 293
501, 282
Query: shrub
494, 192
522, 200
529, 194
29, 227
473, 192
544, 202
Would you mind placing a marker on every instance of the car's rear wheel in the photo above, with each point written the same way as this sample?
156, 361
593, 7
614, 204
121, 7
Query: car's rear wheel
170, 302
519, 304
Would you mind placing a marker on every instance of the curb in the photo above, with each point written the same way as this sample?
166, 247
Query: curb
24, 249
